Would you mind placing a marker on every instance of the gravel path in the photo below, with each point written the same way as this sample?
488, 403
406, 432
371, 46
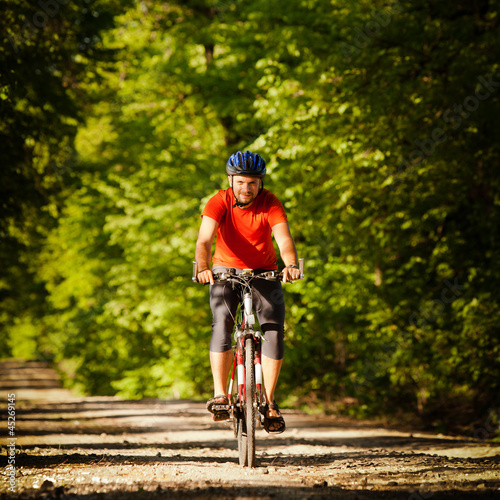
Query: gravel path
105, 447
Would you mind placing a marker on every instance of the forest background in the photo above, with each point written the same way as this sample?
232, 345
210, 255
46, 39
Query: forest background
378, 122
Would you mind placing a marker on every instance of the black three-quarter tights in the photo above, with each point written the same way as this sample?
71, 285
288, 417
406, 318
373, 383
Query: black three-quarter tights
269, 305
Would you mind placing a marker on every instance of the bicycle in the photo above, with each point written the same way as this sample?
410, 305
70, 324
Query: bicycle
249, 396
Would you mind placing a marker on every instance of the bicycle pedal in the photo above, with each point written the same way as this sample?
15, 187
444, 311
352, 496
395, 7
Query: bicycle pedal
221, 408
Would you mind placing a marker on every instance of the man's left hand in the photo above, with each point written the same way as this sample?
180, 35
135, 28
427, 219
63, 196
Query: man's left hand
290, 274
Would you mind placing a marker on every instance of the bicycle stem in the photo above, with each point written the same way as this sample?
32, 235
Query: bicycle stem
247, 306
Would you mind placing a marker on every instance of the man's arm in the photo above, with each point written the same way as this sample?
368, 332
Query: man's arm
203, 253
288, 252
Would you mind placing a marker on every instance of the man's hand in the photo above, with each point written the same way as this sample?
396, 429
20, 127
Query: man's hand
290, 274
206, 276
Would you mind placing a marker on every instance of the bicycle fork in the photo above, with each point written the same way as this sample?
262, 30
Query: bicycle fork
239, 365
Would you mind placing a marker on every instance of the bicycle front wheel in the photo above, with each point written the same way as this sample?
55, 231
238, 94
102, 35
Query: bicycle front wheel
240, 432
251, 399
242, 441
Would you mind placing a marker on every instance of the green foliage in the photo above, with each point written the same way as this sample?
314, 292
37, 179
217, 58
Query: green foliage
45, 56
378, 123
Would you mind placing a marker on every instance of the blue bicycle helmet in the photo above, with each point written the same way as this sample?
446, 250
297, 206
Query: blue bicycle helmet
246, 163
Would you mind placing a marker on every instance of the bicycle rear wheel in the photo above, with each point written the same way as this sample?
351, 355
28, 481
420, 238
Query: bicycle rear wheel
250, 407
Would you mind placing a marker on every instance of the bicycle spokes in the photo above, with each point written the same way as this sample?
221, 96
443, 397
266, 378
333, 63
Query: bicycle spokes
258, 365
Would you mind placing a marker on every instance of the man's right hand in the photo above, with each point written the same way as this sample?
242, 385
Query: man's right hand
206, 276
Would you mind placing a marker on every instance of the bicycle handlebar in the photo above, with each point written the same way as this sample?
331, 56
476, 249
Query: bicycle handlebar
247, 274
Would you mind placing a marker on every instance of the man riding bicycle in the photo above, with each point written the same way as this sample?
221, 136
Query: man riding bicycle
243, 219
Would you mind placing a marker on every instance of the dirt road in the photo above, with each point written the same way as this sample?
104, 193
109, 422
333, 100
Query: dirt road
104, 447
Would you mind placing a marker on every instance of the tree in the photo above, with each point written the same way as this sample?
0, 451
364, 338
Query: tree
45, 82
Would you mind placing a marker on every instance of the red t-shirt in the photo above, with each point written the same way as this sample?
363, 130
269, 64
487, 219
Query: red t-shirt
244, 237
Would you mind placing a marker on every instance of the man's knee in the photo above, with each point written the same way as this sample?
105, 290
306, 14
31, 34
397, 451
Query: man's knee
273, 345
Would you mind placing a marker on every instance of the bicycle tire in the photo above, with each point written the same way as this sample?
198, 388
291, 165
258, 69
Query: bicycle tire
250, 407
242, 441
240, 433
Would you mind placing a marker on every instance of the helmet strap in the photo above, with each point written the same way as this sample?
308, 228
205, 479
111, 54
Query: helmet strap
239, 204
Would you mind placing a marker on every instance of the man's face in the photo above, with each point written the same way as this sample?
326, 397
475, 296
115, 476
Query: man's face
245, 188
